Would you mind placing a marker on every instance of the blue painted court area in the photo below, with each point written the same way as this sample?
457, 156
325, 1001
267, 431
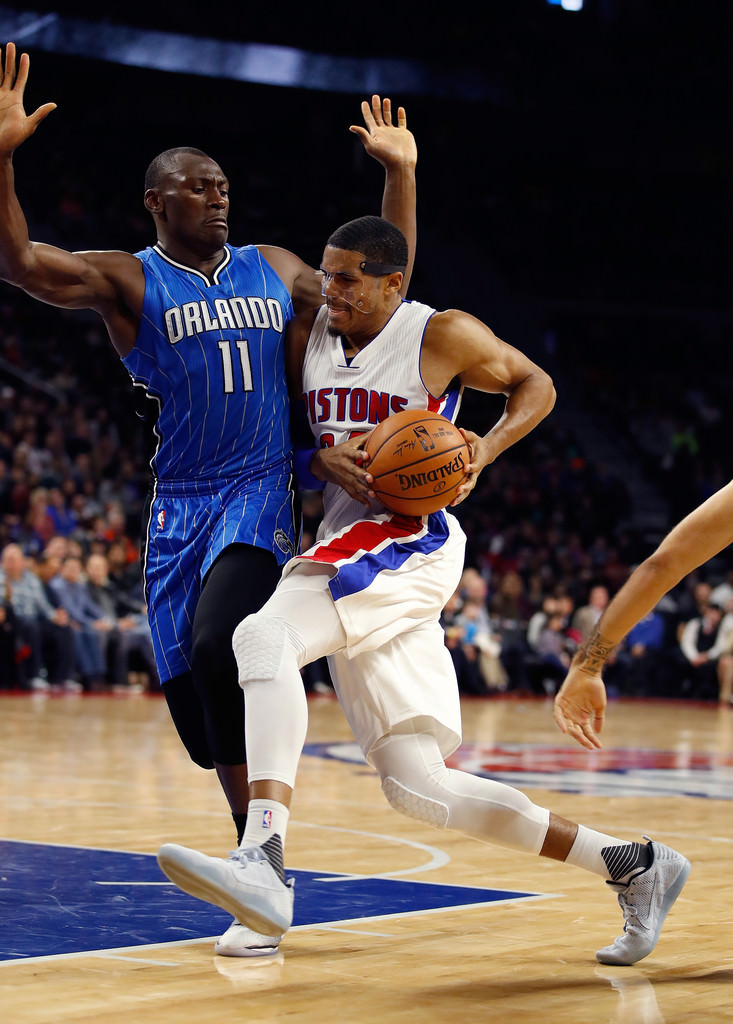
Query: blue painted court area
69, 899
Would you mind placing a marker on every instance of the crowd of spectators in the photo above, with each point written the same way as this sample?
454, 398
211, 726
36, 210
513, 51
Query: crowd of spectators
682, 649
73, 619
550, 539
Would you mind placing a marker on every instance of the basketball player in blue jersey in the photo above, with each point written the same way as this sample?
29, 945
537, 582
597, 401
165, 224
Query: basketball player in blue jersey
199, 325
368, 595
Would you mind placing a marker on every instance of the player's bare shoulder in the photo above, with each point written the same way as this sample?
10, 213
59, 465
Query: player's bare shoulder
302, 281
452, 341
448, 326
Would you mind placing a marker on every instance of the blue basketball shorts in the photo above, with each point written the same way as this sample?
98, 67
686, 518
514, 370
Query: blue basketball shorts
189, 526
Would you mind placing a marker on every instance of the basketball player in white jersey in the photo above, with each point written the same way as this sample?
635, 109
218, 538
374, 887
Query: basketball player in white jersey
369, 593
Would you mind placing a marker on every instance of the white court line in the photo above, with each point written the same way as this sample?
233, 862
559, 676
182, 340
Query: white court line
125, 882
438, 858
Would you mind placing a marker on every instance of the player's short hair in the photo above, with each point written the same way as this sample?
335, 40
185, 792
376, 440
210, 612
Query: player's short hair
165, 162
380, 242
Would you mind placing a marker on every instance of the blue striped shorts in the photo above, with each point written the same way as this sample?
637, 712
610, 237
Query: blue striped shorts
189, 526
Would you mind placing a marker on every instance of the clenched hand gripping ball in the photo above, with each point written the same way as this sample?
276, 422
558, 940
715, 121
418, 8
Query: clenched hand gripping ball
419, 460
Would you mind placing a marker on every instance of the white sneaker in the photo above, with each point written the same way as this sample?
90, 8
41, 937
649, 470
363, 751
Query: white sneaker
246, 885
39, 685
72, 686
239, 940
645, 901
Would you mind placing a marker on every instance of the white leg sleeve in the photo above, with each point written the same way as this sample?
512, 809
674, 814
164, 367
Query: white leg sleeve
271, 648
417, 782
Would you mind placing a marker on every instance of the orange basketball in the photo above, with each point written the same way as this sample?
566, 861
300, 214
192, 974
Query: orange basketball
419, 460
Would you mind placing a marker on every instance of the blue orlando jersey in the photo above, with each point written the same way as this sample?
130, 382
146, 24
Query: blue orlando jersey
210, 352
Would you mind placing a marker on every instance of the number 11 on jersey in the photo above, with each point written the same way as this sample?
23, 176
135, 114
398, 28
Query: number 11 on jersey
227, 365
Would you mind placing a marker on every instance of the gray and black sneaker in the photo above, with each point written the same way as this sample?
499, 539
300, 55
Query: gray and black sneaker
645, 900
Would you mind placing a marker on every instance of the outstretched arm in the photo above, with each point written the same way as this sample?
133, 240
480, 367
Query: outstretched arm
15, 127
580, 701
110, 283
49, 273
395, 149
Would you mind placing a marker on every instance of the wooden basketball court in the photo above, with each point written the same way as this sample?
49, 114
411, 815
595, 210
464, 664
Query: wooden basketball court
401, 922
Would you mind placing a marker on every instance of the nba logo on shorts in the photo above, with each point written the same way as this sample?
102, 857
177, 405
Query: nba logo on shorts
267, 819
161, 519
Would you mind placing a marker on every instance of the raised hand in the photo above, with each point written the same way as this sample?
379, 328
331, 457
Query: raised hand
15, 124
388, 143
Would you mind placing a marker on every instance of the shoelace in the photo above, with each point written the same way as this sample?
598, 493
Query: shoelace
247, 853
629, 911
254, 853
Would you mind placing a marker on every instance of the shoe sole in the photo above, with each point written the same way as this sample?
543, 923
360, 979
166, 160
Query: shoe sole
246, 951
670, 898
211, 891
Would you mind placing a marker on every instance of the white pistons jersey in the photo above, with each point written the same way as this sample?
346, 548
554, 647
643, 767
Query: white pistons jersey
348, 398
390, 575
390, 571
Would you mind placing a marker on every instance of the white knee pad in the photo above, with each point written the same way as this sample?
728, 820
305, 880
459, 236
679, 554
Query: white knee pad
449, 798
415, 805
265, 648
258, 643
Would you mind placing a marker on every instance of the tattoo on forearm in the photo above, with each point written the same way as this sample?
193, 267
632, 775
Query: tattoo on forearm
593, 653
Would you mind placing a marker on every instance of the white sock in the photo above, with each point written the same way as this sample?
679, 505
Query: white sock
265, 818
604, 856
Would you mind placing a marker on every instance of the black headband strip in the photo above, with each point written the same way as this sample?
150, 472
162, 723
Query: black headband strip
379, 269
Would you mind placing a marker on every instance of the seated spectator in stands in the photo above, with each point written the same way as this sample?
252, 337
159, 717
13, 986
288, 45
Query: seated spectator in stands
640, 667
39, 526
63, 518
588, 614
35, 619
130, 634
57, 549
465, 655
510, 613
555, 646
482, 645
113, 530
473, 587
88, 622
58, 641
124, 574
706, 642
539, 619
722, 593
693, 596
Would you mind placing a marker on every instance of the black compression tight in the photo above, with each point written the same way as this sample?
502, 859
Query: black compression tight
207, 704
